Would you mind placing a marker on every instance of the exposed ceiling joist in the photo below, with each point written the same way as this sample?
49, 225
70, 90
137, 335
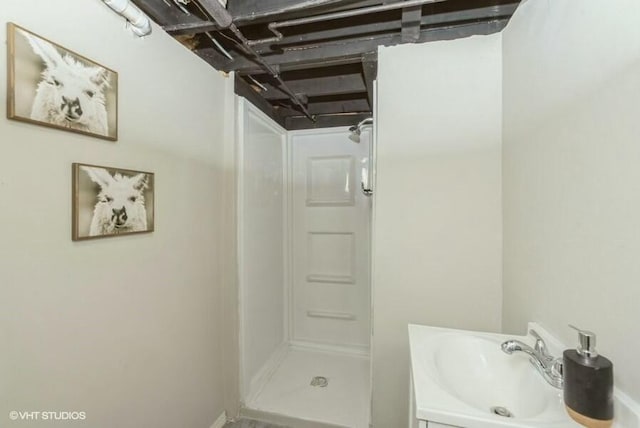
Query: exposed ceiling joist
353, 49
480, 14
485, 13
214, 57
251, 10
245, 90
195, 25
317, 64
318, 86
263, 11
411, 20
328, 34
318, 105
199, 26
370, 73
327, 121
215, 10
316, 57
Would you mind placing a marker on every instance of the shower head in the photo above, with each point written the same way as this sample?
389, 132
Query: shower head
356, 130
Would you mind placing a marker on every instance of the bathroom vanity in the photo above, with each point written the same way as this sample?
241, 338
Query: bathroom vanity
465, 379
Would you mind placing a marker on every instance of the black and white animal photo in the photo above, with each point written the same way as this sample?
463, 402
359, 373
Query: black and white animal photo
110, 201
53, 86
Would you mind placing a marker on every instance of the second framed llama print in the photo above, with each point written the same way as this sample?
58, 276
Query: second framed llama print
111, 202
52, 86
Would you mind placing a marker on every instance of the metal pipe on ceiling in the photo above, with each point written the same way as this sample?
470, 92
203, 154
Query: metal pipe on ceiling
272, 71
197, 27
296, 7
274, 26
224, 19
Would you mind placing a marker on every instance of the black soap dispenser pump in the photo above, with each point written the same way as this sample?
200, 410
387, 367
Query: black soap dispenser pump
588, 383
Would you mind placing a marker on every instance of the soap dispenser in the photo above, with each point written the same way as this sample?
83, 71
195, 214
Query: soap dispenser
588, 383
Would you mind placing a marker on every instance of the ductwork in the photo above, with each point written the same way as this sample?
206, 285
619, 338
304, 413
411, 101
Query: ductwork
140, 24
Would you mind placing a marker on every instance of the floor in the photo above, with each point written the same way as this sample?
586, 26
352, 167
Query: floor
344, 401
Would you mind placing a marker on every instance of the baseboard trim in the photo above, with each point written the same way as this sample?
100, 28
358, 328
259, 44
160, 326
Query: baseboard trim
221, 421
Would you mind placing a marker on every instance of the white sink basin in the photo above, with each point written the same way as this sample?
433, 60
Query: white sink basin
460, 377
477, 372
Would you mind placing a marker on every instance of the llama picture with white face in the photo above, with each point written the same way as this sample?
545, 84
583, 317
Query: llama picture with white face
53, 86
111, 202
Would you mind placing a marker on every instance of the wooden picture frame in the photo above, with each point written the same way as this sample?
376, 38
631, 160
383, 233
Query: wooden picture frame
111, 202
52, 86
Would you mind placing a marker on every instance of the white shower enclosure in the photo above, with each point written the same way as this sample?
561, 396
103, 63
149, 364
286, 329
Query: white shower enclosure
329, 291
304, 270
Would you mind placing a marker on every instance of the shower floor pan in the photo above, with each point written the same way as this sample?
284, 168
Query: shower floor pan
317, 386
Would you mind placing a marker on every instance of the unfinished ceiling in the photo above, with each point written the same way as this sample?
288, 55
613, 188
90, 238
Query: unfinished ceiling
311, 63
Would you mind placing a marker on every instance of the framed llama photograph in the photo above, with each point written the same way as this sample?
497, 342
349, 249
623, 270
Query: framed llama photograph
53, 86
111, 202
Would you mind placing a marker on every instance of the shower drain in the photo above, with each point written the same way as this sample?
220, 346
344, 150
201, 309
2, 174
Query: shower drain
501, 411
320, 381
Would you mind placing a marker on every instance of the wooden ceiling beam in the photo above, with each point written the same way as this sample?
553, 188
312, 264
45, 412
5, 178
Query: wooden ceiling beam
256, 10
357, 30
318, 86
332, 34
243, 89
305, 65
325, 121
262, 11
349, 50
213, 57
179, 28
411, 21
370, 72
329, 107
503, 10
220, 62
479, 13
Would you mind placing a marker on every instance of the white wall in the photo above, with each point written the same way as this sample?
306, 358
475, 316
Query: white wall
262, 154
572, 176
125, 329
437, 208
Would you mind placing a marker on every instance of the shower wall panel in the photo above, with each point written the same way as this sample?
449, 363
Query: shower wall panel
262, 217
330, 291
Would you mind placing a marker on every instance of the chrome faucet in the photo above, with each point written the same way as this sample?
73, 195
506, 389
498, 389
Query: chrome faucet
549, 367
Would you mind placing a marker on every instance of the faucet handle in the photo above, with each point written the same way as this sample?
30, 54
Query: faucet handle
540, 347
557, 372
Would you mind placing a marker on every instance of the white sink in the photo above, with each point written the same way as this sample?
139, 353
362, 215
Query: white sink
477, 372
460, 377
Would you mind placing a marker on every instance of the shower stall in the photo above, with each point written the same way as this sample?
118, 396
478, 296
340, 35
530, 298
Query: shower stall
304, 210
